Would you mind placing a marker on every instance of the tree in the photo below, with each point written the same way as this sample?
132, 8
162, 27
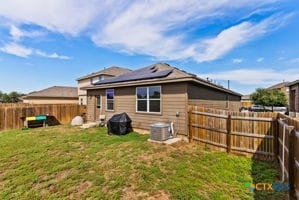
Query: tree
269, 97
5, 98
12, 97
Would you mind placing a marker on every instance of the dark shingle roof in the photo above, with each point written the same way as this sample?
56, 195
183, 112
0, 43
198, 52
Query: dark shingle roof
156, 73
112, 71
55, 91
149, 72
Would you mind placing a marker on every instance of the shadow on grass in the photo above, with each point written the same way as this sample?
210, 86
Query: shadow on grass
265, 173
266, 184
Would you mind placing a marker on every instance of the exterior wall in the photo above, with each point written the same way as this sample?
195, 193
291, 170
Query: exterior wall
232, 105
83, 99
204, 96
50, 101
285, 90
85, 83
173, 100
294, 99
246, 103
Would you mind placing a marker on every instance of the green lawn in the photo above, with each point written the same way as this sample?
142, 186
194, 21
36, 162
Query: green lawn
63, 162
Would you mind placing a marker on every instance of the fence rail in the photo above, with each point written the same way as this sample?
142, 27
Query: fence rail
249, 133
267, 136
11, 114
288, 153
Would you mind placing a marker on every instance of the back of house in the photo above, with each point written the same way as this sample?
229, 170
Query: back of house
156, 93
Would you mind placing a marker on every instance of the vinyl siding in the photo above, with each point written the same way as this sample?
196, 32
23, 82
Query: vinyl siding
201, 95
173, 99
294, 100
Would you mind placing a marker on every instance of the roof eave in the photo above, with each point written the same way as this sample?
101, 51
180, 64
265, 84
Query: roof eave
146, 82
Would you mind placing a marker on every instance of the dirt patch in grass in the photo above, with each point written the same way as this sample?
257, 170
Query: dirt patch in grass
84, 186
78, 190
130, 193
63, 174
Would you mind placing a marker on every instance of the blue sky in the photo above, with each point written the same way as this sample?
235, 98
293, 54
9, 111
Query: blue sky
252, 43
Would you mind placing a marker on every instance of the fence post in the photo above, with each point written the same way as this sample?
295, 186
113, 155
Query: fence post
190, 123
276, 135
291, 169
228, 135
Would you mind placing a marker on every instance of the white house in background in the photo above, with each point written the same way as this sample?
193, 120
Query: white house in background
89, 79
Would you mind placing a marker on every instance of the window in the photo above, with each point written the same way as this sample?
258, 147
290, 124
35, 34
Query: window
110, 99
148, 99
101, 77
99, 103
81, 101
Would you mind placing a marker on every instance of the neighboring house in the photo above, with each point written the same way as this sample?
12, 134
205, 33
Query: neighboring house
246, 101
53, 95
294, 98
283, 86
104, 74
157, 93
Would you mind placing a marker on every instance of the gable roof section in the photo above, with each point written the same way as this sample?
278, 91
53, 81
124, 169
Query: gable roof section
149, 72
155, 74
293, 83
112, 71
55, 91
278, 86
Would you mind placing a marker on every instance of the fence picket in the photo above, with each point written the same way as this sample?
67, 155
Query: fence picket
11, 114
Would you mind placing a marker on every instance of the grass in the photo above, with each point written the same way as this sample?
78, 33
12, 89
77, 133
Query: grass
64, 162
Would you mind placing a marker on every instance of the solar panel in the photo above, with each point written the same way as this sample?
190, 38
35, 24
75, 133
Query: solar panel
140, 74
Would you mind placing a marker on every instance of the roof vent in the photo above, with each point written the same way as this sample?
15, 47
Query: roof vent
153, 67
154, 70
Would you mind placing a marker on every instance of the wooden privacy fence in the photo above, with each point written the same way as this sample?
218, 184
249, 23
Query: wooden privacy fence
263, 135
10, 116
249, 133
288, 153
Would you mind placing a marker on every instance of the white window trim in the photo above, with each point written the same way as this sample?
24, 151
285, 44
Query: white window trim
99, 96
110, 99
148, 99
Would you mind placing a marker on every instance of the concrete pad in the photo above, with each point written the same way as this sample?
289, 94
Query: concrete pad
167, 142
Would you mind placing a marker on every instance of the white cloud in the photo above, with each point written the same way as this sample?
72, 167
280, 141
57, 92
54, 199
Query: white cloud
255, 76
294, 60
24, 52
237, 60
64, 16
154, 28
16, 33
235, 36
260, 59
17, 50
52, 55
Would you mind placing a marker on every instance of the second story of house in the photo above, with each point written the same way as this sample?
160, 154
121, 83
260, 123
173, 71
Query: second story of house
283, 87
106, 73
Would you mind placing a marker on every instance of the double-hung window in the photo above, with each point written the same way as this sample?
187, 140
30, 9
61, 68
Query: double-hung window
148, 99
110, 99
